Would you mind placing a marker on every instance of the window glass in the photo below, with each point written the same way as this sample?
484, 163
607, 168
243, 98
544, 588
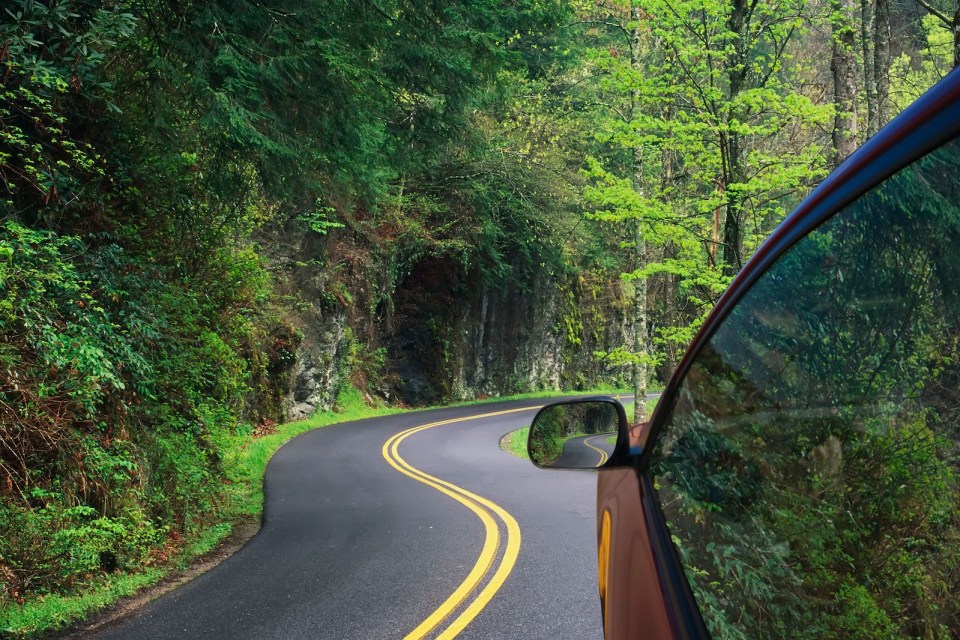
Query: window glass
809, 471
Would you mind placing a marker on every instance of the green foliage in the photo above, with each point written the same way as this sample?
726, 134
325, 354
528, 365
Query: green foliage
693, 103
51, 55
318, 220
48, 546
911, 75
550, 430
66, 363
363, 363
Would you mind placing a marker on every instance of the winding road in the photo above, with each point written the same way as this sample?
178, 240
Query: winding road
586, 452
409, 526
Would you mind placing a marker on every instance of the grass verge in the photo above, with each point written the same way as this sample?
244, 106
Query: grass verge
54, 611
515, 442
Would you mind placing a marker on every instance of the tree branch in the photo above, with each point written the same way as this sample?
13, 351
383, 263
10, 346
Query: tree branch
933, 11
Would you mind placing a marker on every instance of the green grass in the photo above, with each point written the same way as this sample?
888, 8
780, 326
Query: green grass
54, 612
651, 404
515, 442
204, 542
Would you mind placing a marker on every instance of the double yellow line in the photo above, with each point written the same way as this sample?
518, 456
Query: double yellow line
483, 509
603, 454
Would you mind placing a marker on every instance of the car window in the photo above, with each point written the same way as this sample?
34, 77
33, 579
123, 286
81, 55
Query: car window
808, 473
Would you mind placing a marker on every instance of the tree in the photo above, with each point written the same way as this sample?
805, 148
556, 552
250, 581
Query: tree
951, 22
843, 68
881, 61
715, 142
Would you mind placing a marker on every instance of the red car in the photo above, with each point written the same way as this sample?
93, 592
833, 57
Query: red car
800, 476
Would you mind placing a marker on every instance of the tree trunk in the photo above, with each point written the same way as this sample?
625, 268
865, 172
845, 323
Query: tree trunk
881, 60
869, 81
843, 66
639, 319
956, 33
732, 221
733, 235
669, 319
733, 171
715, 230
668, 160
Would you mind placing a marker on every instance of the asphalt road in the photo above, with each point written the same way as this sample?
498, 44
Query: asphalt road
358, 542
585, 452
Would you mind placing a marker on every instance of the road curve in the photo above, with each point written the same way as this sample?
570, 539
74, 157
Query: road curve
586, 452
374, 529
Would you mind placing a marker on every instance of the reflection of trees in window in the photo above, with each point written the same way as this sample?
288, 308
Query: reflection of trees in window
810, 472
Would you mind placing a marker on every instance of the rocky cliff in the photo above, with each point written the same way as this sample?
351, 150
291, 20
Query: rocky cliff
441, 332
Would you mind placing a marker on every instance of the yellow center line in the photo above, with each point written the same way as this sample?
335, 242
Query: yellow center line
479, 506
506, 566
480, 568
603, 454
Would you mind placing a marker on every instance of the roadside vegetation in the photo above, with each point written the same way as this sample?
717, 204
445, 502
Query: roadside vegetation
217, 215
515, 442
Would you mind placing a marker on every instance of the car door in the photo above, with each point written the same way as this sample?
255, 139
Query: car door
800, 476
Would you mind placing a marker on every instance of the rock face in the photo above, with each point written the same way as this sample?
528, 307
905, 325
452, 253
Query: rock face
315, 380
509, 344
544, 338
446, 335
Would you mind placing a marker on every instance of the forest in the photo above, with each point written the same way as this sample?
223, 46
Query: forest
217, 216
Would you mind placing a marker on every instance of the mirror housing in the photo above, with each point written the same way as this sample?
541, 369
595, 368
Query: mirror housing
586, 433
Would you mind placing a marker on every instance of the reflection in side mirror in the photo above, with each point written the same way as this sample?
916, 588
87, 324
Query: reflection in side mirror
582, 434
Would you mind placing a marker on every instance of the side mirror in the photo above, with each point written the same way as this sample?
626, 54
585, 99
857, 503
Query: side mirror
578, 434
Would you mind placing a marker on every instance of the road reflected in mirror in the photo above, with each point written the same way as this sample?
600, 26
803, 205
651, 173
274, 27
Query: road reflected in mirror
574, 435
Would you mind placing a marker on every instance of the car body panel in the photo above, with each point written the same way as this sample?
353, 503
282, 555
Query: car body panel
632, 599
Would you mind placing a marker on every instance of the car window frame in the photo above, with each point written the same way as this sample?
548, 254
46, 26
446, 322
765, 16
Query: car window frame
927, 124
